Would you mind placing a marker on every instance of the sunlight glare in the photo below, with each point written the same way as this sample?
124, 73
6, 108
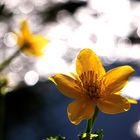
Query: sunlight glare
136, 129
31, 78
132, 88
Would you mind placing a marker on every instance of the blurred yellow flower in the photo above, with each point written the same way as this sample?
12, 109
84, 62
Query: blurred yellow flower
30, 44
92, 86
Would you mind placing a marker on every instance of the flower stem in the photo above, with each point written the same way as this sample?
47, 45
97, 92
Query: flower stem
91, 121
8, 61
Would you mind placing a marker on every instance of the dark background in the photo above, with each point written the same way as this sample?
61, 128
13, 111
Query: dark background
34, 113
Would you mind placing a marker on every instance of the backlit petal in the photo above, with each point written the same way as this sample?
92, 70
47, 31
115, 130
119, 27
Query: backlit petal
113, 104
87, 60
132, 101
66, 85
39, 41
33, 52
116, 79
80, 110
25, 32
38, 44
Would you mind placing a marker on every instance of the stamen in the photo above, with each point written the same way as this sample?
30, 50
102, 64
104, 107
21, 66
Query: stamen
102, 87
89, 84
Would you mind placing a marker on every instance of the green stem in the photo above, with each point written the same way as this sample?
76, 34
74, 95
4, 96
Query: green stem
95, 115
89, 126
91, 121
8, 61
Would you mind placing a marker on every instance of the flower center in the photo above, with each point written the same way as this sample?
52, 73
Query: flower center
26, 45
90, 84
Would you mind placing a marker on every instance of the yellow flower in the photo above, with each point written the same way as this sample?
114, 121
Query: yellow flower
30, 44
92, 86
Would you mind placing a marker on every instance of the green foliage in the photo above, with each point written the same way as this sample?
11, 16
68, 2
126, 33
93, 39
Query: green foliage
56, 138
98, 135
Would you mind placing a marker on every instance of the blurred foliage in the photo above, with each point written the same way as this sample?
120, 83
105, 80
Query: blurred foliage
135, 0
50, 13
5, 13
134, 38
3, 84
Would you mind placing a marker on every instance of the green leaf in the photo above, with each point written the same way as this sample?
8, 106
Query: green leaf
98, 135
55, 138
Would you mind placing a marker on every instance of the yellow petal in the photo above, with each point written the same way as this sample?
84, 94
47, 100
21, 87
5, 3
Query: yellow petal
80, 110
33, 52
132, 101
116, 79
113, 104
75, 76
25, 31
39, 41
87, 60
20, 40
67, 85
38, 44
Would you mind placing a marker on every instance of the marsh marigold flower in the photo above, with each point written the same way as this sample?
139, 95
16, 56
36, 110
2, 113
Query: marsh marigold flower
92, 86
29, 43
